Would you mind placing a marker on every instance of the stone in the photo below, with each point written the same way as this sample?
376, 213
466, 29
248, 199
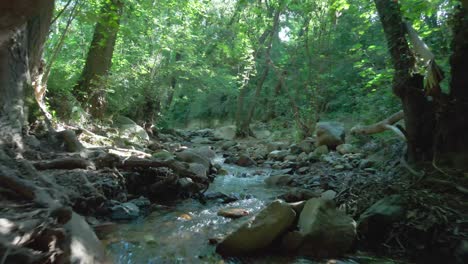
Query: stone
228, 144
299, 194
295, 149
303, 170
128, 128
278, 155
272, 146
192, 157
125, 211
306, 146
324, 231
330, 134
259, 231
290, 158
378, 219
245, 161
319, 151
344, 149
279, 180
142, 202
328, 195
163, 155
206, 152
199, 170
233, 213
226, 132
365, 163
303, 157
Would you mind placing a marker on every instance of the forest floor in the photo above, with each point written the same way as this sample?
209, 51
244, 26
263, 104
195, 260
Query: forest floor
108, 177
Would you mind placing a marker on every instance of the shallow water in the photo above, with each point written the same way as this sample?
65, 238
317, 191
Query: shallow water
180, 234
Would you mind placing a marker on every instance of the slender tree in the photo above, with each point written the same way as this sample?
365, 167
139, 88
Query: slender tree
90, 89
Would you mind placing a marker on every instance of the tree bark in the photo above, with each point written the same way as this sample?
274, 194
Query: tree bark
244, 129
90, 89
23, 30
419, 112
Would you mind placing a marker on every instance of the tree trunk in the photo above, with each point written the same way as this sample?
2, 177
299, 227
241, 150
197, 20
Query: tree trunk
244, 129
23, 30
419, 112
173, 84
90, 89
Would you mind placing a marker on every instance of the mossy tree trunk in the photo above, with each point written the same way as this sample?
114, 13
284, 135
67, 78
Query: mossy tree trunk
23, 30
90, 90
435, 125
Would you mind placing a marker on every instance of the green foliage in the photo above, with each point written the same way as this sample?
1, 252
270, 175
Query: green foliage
200, 53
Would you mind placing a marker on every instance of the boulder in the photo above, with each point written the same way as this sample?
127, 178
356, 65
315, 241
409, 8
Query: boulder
259, 231
271, 146
233, 213
328, 195
346, 149
206, 152
324, 231
322, 150
226, 132
125, 211
278, 155
295, 149
128, 128
330, 134
283, 179
228, 144
307, 145
199, 170
378, 219
192, 157
245, 161
299, 194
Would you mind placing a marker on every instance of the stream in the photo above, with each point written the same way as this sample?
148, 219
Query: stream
180, 234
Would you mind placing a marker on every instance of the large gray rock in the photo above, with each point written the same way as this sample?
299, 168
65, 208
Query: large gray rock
330, 134
259, 231
226, 132
190, 156
128, 128
323, 230
245, 161
378, 219
271, 146
206, 152
199, 170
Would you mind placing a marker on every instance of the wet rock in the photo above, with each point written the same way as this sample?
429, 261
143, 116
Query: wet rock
104, 229
201, 140
292, 158
330, 134
221, 197
303, 170
328, 195
278, 155
365, 163
259, 231
323, 230
279, 180
303, 157
226, 132
233, 213
142, 202
298, 206
377, 220
346, 149
298, 194
125, 211
245, 161
295, 149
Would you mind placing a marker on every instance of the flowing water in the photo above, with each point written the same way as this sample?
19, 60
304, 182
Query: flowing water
180, 234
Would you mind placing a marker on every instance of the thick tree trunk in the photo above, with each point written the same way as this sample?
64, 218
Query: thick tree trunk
419, 112
173, 84
23, 31
90, 89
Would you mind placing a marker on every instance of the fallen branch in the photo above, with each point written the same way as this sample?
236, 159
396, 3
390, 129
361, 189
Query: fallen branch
63, 164
386, 124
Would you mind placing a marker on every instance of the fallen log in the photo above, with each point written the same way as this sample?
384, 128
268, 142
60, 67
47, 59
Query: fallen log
63, 164
386, 124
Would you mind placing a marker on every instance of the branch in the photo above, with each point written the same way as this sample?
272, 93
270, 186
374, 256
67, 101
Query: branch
386, 124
